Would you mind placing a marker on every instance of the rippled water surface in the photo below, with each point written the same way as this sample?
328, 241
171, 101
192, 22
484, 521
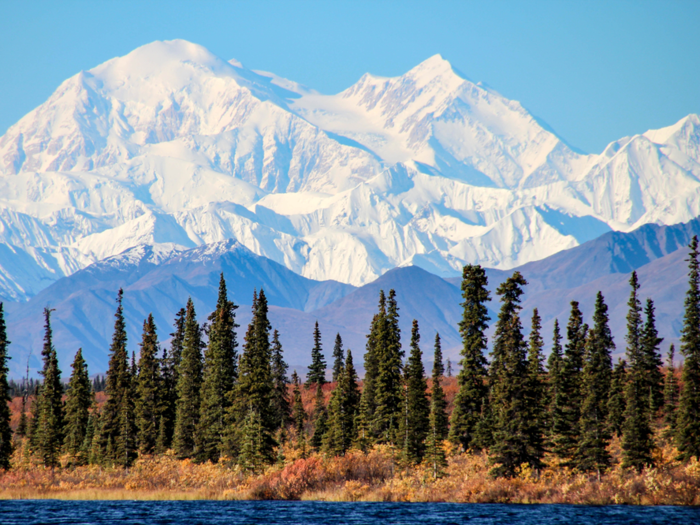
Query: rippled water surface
312, 513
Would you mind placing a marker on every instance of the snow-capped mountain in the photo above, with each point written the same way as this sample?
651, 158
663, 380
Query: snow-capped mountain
171, 144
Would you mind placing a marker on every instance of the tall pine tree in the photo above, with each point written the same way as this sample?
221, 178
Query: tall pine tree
470, 404
338, 356
188, 387
537, 390
79, 399
651, 359
220, 371
637, 442
556, 395
343, 409
169, 365
49, 406
438, 403
317, 369
148, 389
298, 412
670, 396
281, 410
414, 424
6, 445
592, 453
688, 418
616, 402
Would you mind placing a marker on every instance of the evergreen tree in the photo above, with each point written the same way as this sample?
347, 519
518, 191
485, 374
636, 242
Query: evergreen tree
220, 371
470, 403
49, 406
449, 368
616, 402
670, 396
317, 369
438, 403
84, 455
188, 386
118, 409
688, 416
6, 446
148, 389
255, 386
320, 419
555, 387
79, 399
253, 444
338, 362
637, 440
298, 412
369, 402
565, 439
510, 388
281, 409
651, 359
169, 365
417, 411
389, 381
536, 388
592, 454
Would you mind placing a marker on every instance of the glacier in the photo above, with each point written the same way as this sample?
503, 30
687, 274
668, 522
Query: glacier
173, 146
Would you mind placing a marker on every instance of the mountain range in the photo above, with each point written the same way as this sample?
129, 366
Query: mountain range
174, 147
160, 278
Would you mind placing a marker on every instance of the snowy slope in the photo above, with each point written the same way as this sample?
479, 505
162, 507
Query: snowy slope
171, 144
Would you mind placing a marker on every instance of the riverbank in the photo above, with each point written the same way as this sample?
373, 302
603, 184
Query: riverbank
356, 477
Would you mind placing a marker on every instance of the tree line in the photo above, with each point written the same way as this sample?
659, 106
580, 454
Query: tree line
204, 400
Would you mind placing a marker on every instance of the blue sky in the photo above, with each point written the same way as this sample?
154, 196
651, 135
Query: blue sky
595, 71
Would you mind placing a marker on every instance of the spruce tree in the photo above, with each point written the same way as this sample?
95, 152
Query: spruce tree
637, 442
670, 396
79, 399
688, 416
470, 403
6, 445
85, 453
565, 439
220, 371
338, 356
49, 405
389, 381
169, 365
317, 369
368, 403
616, 402
536, 388
320, 419
255, 386
298, 412
417, 412
188, 387
651, 359
555, 387
281, 409
148, 389
592, 453
118, 409
510, 390
253, 448
438, 404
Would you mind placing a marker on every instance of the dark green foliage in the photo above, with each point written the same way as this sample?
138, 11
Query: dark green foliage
438, 403
342, 410
188, 387
537, 390
555, 387
338, 363
298, 412
79, 399
670, 396
389, 382
220, 371
369, 401
115, 444
592, 453
320, 419
414, 424
471, 400
317, 368
84, 455
637, 440
6, 446
651, 359
169, 365
510, 386
565, 437
48, 436
364, 438
148, 389
688, 416
616, 402
254, 454
281, 410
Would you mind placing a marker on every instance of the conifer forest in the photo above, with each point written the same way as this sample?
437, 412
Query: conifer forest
209, 400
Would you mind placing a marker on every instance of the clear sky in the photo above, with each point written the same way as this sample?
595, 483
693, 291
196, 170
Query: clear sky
593, 70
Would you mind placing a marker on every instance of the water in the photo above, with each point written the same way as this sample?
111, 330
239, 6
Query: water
47, 512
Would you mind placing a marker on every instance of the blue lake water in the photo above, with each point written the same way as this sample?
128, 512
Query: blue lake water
48, 512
